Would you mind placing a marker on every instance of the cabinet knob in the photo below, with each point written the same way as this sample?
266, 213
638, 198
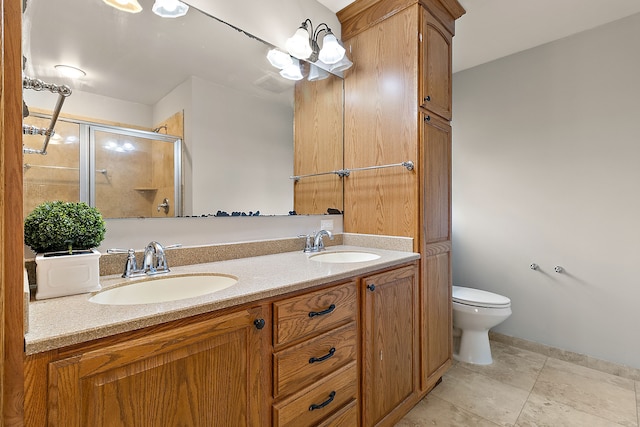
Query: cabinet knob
259, 323
427, 118
371, 287
427, 98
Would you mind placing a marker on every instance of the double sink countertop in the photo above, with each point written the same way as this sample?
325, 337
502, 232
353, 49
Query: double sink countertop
60, 322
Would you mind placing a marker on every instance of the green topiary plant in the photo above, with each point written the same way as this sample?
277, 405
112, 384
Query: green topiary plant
63, 226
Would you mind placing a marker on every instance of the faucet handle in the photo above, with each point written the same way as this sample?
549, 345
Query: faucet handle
175, 245
131, 266
308, 244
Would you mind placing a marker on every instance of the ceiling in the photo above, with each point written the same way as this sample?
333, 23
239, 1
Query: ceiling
142, 57
492, 29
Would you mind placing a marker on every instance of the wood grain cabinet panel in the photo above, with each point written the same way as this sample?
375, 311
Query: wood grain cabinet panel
205, 374
318, 402
436, 315
436, 176
299, 317
436, 68
390, 345
303, 364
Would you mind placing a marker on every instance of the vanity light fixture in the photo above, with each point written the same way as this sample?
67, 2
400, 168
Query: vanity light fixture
316, 73
304, 44
292, 72
131, 6
279, 59
69, 71
342, 65
170, 8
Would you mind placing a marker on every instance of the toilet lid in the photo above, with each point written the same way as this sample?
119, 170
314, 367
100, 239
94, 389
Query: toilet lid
479, 298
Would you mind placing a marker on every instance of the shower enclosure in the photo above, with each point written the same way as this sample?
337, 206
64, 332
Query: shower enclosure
125, 173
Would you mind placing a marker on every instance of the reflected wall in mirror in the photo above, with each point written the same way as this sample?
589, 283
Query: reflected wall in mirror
238, 145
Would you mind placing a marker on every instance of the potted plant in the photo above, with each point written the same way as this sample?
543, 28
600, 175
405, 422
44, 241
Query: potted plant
64, 235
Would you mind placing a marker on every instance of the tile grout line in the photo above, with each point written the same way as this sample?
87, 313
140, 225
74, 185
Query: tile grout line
546, 358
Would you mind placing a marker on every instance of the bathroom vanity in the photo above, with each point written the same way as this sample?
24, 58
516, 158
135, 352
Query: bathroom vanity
295, 342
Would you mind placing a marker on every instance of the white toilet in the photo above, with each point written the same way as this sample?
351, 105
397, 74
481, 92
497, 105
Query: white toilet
474, 313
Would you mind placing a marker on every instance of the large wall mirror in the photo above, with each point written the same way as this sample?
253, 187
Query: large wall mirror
244, 129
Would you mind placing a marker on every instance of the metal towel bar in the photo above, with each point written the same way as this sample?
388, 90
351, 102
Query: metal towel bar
63, 91
346, 172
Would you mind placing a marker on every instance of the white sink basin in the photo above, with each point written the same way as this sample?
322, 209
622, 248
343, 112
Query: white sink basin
164, 289
344, 257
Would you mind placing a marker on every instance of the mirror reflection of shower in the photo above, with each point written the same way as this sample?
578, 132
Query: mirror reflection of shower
125, 173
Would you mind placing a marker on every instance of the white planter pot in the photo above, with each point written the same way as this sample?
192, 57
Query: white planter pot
60, 275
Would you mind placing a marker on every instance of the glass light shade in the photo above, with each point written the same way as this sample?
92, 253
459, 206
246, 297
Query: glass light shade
342, 65
69, 71
292, 72
331, 51
298, 44
131, 6
317, 73
279, 59
170, 8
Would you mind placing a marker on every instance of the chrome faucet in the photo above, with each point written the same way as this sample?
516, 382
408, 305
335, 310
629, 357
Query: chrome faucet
318, 243
154, 260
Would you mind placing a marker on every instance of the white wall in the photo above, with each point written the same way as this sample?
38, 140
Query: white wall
89, 105
273, 21
244, 153
546, 170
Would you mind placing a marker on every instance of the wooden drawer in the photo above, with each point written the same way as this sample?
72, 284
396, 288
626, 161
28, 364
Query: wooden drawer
345, 417
315, 312
319, 401
305, 363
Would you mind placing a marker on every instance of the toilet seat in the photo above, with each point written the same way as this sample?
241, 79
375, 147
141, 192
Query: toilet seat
479, 298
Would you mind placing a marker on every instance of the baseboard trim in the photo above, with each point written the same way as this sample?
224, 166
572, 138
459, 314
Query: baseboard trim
569, 356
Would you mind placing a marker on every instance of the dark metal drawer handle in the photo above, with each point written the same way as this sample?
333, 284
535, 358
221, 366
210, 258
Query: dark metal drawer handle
332, 395
323, 358
323, 312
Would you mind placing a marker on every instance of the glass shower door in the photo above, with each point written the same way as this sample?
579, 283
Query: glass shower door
136, 173
55, 176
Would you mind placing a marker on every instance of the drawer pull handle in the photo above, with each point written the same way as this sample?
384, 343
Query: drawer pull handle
332, 395
323, 312
371, 287
427, 98
323, 358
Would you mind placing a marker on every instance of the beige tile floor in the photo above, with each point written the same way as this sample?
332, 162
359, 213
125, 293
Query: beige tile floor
523, 388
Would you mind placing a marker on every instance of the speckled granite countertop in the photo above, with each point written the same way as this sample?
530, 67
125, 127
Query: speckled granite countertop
60, 322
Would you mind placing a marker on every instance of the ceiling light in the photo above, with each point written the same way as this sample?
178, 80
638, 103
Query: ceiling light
170, 8
279, 59
69, 71
131, 6
292, 72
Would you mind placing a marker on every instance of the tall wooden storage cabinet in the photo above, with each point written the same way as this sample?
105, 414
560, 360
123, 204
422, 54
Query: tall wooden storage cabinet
398, 108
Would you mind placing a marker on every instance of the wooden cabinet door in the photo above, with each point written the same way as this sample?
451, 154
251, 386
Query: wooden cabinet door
436, 186
390, 345
380, 128
435, 89
203, 374
436, 339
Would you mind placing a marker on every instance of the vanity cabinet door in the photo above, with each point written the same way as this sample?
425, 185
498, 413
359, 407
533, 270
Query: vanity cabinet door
390, 345
203, 374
